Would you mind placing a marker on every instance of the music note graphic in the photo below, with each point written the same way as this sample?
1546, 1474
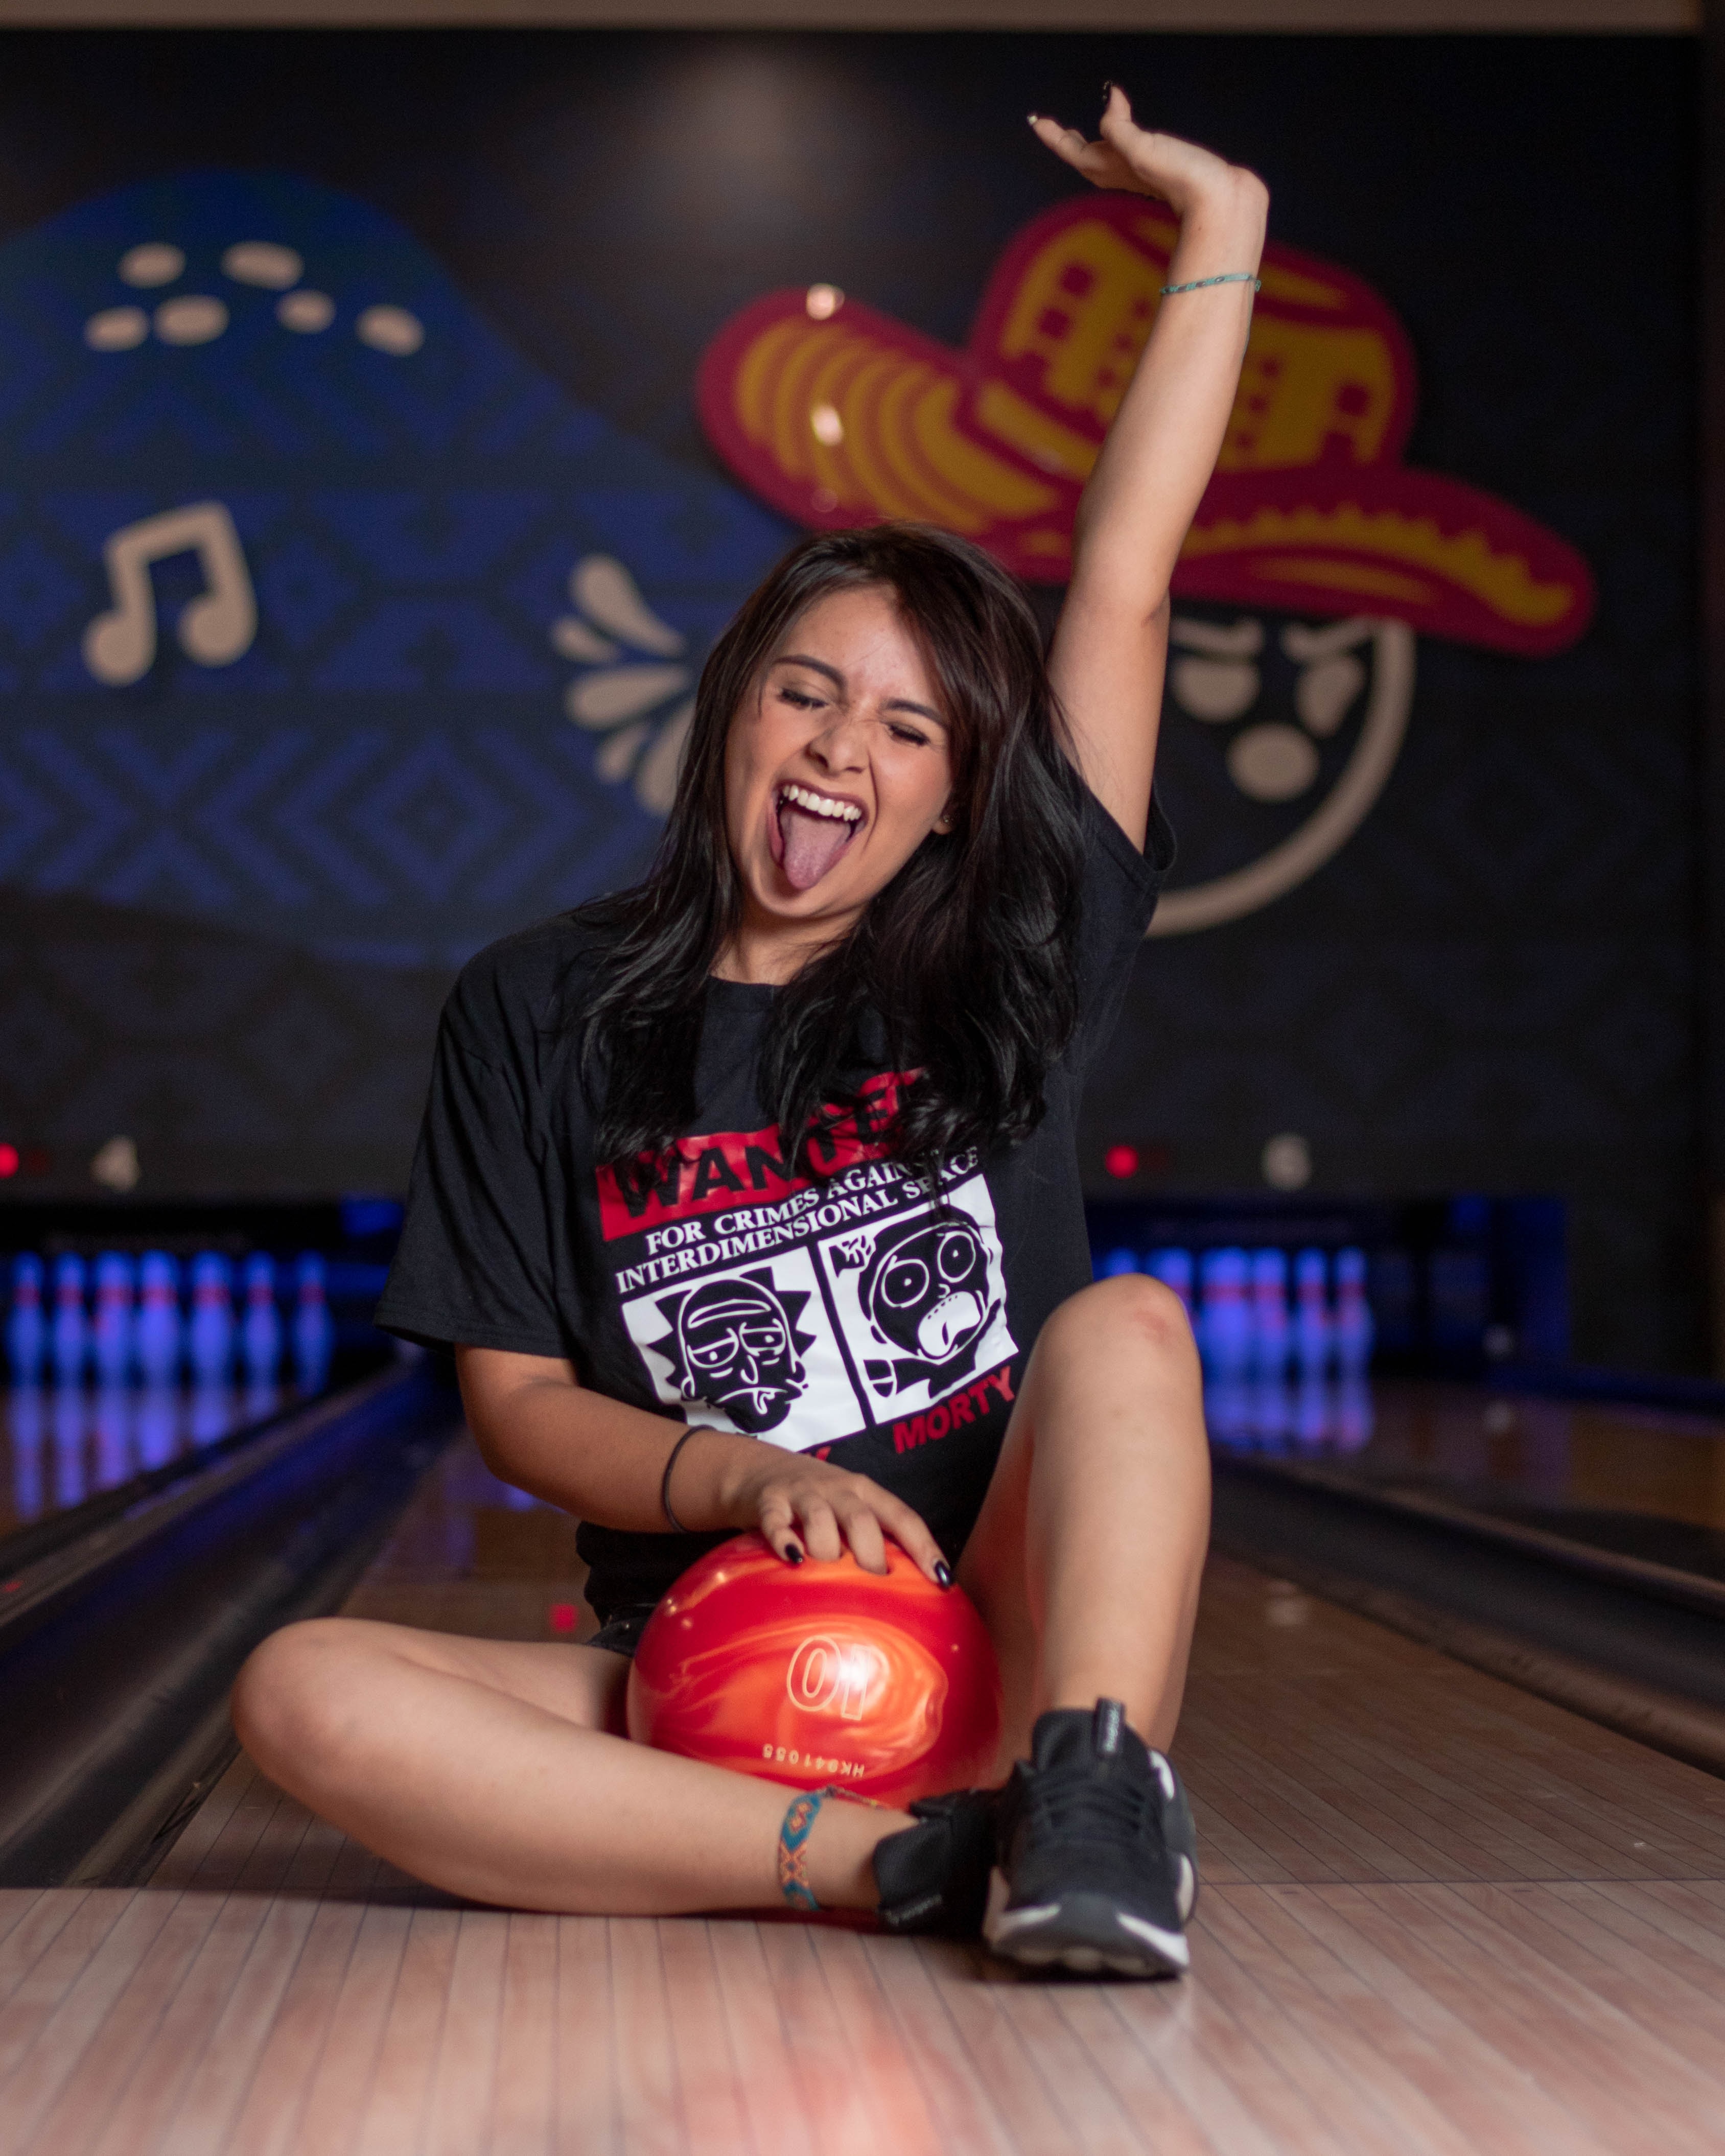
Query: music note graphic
120, 646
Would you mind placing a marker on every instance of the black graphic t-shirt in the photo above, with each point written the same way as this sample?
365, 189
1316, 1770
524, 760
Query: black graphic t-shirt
843, 1313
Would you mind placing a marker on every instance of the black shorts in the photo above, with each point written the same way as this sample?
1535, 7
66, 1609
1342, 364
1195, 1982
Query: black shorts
620, 1634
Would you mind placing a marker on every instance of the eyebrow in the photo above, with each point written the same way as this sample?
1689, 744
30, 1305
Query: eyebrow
833, 674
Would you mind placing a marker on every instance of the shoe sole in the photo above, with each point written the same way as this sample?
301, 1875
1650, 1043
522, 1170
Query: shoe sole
1083, 1933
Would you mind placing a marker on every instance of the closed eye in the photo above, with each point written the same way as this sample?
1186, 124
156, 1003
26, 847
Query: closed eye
909, 734
802, 701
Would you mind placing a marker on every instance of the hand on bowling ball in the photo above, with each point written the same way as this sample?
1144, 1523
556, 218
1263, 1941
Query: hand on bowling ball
1134, 160
803, 1505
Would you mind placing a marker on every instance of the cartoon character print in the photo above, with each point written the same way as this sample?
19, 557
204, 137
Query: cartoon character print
881, 1302
735, 1343
927, 1288
925, 1291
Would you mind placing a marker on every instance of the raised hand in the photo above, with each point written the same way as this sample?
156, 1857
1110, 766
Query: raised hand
1110, 649
1136, 159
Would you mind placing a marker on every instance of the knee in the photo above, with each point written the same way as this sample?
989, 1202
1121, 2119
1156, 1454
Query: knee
290, 1701
1130, 1311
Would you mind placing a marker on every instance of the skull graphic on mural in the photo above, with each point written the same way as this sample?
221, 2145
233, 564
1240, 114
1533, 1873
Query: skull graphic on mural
1294, 729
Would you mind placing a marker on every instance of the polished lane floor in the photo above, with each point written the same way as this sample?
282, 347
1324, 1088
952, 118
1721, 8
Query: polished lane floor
1439, 1916
1646, 1482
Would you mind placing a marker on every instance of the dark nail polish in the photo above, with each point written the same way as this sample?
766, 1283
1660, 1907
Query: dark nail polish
1107, 91
792, 1555
944, 1574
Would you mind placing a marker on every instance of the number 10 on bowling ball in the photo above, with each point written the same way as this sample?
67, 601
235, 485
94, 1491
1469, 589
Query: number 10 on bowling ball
817, 1673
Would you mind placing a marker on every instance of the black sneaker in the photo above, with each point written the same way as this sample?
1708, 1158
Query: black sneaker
1098, 1855
934, 1877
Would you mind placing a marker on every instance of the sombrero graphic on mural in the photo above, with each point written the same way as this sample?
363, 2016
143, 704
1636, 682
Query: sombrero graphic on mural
838, 415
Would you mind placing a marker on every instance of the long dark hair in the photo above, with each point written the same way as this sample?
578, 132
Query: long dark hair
965, 957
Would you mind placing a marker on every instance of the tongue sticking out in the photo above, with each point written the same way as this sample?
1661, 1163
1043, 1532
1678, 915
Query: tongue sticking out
812, 843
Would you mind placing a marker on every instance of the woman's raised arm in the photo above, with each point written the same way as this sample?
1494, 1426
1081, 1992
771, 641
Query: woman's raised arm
1110, 649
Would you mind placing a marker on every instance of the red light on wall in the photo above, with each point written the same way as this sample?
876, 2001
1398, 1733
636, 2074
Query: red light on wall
561, 1616
1121, 1160
11, 1160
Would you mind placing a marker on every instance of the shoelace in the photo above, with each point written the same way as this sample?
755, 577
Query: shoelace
1077, 1804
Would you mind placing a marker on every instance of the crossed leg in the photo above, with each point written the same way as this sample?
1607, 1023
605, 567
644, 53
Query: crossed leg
498, 1770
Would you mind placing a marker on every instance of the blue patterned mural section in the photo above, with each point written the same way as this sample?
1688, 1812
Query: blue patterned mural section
447, 616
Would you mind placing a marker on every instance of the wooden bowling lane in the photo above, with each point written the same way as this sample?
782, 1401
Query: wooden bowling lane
1591, 1459
1438, 1916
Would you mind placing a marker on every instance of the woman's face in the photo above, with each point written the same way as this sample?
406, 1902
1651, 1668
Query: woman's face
836, 769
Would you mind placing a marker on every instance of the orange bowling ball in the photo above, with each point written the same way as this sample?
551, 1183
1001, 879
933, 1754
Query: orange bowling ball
817, 1673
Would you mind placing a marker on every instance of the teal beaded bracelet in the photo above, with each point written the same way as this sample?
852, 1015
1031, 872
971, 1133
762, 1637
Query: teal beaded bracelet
793, 1856
1231, 277
792, 1840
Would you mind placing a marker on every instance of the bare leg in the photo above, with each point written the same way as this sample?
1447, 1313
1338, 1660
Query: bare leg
496, 1770
1086, 1558
492, 1769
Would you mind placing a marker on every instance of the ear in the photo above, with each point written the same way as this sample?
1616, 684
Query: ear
943, 822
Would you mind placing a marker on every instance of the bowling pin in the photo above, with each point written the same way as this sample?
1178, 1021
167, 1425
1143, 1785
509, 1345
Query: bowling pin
157, 1333
69, 1480
1226, 1318
1272, 1412
1173, 1269
1313, 1420
27, 1416
1270, 1330
210, 1344
314, 1330
158, 1425
113, 1436
112, 1333
1228, 1407
209, 1412
1354, 1414
1311, 1314
260, 1330
69, 1340
1355, 1328
26, 1326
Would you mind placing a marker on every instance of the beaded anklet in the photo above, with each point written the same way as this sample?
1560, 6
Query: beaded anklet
794, 1838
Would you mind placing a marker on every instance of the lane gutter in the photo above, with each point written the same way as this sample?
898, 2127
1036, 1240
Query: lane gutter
118, 1646
1637, 1646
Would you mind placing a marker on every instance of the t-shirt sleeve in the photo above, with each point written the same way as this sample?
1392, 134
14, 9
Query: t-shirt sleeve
474, 1264
1120, 890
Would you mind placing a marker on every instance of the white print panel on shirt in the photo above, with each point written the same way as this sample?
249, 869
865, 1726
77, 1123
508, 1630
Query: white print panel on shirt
806, 1319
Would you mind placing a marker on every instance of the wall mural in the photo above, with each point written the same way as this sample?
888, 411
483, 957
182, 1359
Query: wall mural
385, 439
305, 574
837, 414
345, 536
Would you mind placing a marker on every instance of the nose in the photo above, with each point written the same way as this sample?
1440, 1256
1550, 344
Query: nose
839, 747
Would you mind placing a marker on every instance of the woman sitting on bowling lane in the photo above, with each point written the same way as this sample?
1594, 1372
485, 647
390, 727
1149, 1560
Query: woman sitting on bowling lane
749, 1199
